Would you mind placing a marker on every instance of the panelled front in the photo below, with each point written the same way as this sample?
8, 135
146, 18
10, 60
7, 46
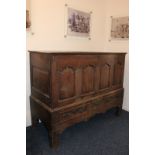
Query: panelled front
79, 76
74, 77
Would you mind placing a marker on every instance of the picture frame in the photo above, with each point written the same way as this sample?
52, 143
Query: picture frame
119, 28
78, 23
28, 23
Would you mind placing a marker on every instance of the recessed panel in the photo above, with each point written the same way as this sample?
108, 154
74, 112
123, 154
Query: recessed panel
40, 80
88, 75
105, 76
118, 74
66, 83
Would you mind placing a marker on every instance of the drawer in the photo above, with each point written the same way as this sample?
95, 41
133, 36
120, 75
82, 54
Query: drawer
76, 113
105, 103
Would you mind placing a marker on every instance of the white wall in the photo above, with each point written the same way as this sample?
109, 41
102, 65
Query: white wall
48, 26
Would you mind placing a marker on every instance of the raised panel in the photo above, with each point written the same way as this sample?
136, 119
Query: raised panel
66, 83
118, 71
118, 74
107, 62
105, 76
88, 75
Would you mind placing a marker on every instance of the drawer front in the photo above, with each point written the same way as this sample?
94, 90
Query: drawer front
105, 103
77, 113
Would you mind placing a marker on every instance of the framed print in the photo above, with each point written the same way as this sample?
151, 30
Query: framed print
78, 23
28, 23
120, 28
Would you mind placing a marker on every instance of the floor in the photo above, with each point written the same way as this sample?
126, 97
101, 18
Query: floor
104, 134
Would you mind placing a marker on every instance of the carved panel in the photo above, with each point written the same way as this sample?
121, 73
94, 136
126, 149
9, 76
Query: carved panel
66, 83
88, 76
105, 76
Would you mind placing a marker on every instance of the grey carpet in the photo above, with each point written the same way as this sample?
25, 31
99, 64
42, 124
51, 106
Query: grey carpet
104, 134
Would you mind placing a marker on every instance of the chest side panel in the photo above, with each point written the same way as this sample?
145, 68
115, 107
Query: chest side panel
40, 76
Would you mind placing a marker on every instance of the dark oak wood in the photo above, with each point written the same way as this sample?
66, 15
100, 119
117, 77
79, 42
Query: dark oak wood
67, 88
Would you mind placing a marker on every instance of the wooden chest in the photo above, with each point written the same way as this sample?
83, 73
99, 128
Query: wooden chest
70, 87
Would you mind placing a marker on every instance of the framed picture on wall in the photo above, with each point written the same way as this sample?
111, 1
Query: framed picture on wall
120, 28
78, 23
28, 23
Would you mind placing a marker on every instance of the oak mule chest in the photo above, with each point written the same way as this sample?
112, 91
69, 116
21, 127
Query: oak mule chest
70, 87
